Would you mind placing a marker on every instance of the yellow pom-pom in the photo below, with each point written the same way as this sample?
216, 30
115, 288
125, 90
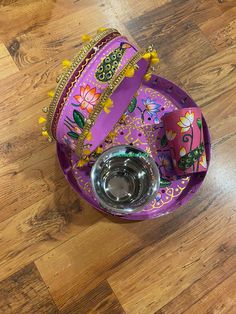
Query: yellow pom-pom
51, 94
155, 60
81, 163
45, 133
86, 151
107, 110
89, 136
154, 54
147, 56
99, 150
86, 37
107, 105
129, 72
41, 120
147, 76
101, 29
66, 63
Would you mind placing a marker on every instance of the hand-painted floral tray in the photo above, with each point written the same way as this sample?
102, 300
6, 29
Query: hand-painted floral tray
142, 127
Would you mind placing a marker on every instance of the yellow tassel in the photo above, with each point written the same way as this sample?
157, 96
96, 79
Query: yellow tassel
45, 133
41, 120
51, 94
154, 54
129, 72
89, 136
147, 56
101, 29
155, 60
107, 105
147, 76
99, 150
81, 163
66, 63
86, 151
86, 37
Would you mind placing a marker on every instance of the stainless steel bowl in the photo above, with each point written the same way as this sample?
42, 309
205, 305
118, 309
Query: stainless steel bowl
125, 179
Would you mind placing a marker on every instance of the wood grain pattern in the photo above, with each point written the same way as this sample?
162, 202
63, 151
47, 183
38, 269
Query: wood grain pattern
7, 65
25, 292
41, 227
101, 299
59, 255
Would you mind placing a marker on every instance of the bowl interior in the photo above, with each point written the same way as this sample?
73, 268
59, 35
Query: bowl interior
125, 179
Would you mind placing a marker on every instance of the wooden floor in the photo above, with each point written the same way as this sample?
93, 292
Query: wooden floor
59, 255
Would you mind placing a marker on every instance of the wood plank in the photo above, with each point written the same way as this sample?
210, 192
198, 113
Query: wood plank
124, 9
34, 44
174, 32
7, 65
216, 302
212, 77
221, 31
221, 116
25, 292
34, 177
101, 299
175, 264
41, 227
201, 287
225, 5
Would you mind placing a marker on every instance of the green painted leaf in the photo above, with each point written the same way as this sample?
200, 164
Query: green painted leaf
164, 183
132, 105
189, 159
164, 141
199, 123
73, 135
79, 118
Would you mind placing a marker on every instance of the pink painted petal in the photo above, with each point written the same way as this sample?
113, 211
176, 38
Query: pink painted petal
86, 91
82, 91
89, 96
78, 98
89, 108
84, 105
95, 98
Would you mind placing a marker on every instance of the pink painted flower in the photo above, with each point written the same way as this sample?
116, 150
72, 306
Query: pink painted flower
186, 122
87, 98
170, 135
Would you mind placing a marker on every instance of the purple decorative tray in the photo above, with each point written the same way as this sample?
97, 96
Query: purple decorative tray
142, 127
